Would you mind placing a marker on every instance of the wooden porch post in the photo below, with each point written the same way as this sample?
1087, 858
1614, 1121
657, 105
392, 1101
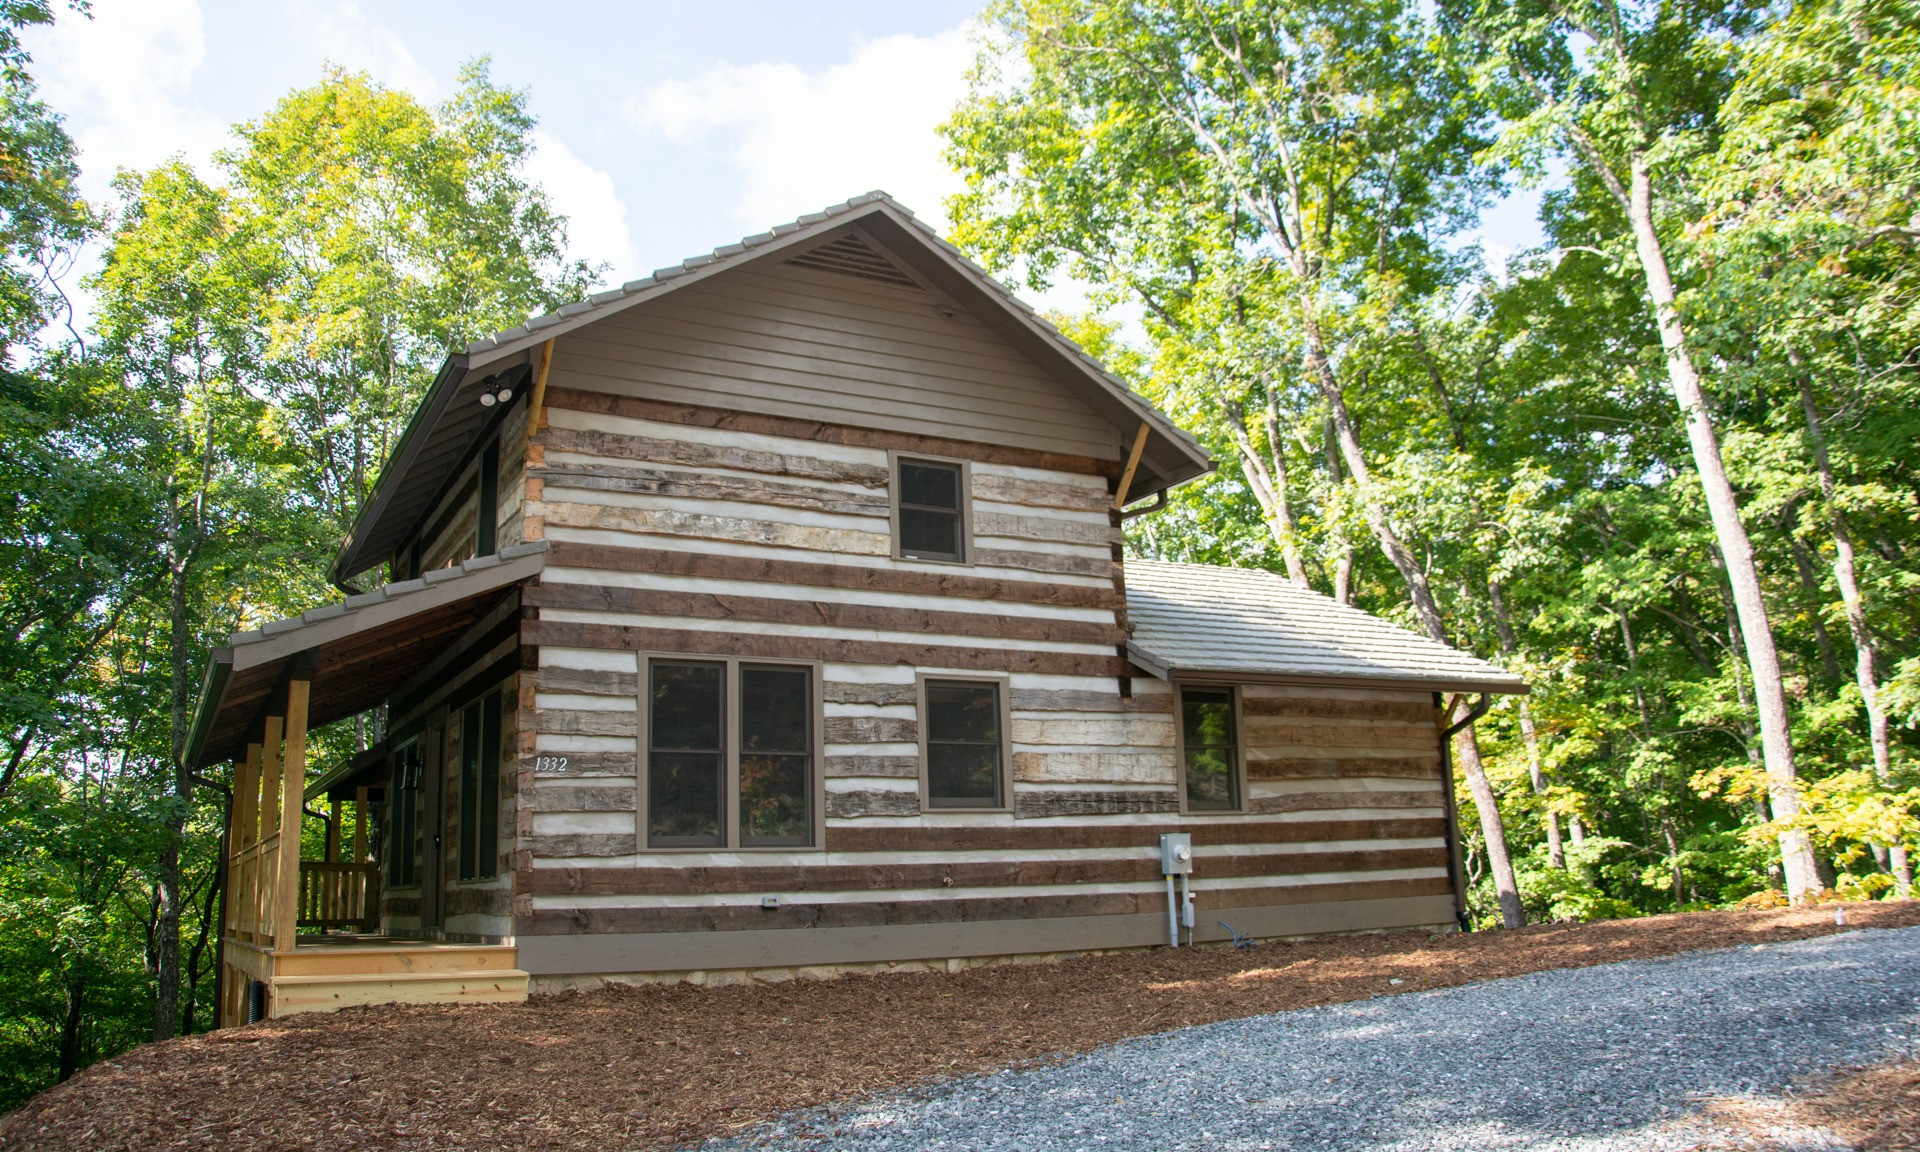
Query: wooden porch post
333, 830
360, 825
292, 783
265, 877
242, 834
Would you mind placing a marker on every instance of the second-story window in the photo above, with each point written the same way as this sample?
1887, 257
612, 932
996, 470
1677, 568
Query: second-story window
931, 509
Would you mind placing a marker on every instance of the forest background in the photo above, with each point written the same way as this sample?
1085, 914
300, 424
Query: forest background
1663, 466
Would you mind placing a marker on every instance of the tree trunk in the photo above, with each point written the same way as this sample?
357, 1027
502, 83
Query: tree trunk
1420, 592
1529, 734
1723, 507
1866, 675
1487, 804
1336, 528
1266, 475
166, 951
1810, 587
72, 1029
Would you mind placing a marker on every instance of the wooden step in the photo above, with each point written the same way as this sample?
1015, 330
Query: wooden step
292, 994
394, 959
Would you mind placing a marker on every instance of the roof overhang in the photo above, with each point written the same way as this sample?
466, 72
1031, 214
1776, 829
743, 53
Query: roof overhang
449, 425
366, 769
353, 654
1168, 670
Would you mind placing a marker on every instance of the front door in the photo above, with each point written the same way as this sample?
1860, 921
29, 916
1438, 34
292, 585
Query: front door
433, 817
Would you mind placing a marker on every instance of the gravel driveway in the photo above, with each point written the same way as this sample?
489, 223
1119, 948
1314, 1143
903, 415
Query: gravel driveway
1603, 1058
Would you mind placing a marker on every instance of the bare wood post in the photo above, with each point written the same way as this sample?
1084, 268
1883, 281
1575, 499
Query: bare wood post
1133, 462
242, 831
246, 801
294, 774
537, 408
264, 877
360, 826
333, 829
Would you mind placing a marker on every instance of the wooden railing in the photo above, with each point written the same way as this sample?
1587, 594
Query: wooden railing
336, 894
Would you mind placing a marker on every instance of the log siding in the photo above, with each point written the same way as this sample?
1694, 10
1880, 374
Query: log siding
712, 474
678, 530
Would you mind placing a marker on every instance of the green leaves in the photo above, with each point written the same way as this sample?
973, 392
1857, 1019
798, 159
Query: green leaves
1262, 178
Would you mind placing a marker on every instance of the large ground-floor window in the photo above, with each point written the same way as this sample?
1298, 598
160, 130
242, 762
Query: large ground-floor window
729, 754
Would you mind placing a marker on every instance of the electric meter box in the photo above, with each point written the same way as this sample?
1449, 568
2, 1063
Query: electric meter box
1176, 853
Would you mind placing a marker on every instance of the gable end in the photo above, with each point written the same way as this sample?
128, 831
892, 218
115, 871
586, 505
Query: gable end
852, 256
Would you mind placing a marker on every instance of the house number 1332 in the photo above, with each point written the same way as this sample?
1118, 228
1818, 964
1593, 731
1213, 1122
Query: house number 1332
549, 763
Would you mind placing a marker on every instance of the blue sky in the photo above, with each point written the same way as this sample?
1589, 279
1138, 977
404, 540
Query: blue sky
665, 128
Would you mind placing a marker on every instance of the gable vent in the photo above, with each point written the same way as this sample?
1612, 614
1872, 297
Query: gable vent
850, 256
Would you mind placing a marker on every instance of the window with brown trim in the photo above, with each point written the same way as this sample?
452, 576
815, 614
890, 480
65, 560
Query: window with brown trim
1209, 750
698, 758
931, 509
965, 741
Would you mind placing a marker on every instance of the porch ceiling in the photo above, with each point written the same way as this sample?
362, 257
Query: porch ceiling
353, 654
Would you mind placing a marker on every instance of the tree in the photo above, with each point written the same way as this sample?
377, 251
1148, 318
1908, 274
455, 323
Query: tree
1635, 106
1271, 182
1812, 192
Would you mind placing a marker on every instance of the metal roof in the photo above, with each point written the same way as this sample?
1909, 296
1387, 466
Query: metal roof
446, 429
1208, 622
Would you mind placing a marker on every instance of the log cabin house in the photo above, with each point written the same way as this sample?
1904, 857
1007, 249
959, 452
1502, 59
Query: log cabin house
768, 615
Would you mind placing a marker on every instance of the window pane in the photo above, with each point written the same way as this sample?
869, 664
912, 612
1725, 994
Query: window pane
969, 712
776, 760
773, 710
470, 741
683, 797
686, 706
931, 485
931, 534
1209, 778
773, 799
684, 761
490, 787
1208, 716
963, 775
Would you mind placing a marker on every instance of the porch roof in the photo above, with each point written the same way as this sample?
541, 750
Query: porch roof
1200, 621
353, 654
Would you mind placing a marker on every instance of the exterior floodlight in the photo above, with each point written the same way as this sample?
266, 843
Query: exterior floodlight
506, 394
487, 400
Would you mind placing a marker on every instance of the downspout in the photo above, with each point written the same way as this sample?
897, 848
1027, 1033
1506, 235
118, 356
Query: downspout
1456, 869
220, 926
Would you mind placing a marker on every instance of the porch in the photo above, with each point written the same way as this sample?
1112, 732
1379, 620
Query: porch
305, 934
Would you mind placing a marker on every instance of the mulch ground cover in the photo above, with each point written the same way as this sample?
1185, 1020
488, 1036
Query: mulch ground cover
657, 1066
1872, 1109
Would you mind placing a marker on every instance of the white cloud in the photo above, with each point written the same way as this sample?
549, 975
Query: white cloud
343, 34
596, 216
804, 140
122, 79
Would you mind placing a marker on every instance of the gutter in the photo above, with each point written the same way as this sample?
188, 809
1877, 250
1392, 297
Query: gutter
439, 394
213, 689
